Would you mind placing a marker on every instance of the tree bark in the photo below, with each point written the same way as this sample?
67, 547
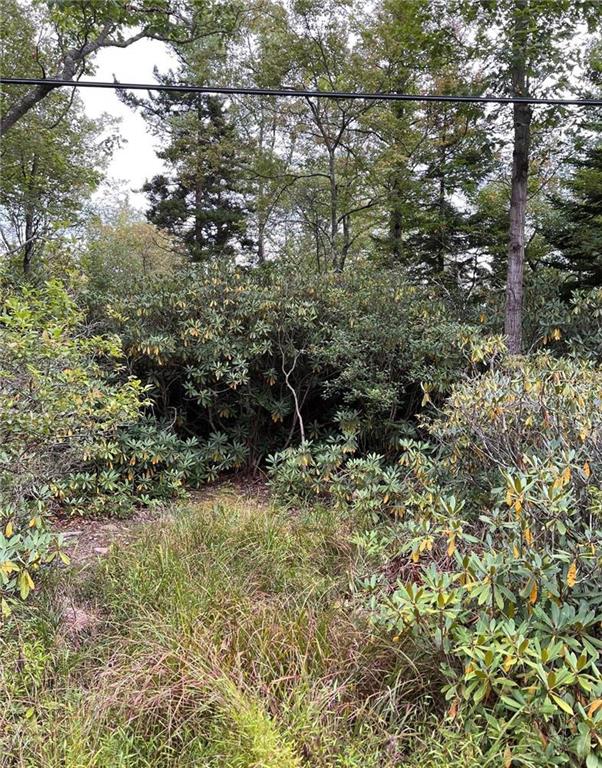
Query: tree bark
334, 222
29, 238
30, 228
520, 177
395, 230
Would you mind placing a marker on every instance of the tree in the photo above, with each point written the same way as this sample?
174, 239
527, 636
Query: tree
122, 252
432, 157
322, 155
51, 162
534, 52
76, 31
575, 226
201, 197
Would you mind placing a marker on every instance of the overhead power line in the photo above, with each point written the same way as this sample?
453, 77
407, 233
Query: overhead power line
293, 92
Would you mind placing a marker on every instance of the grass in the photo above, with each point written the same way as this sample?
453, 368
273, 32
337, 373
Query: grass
227, 637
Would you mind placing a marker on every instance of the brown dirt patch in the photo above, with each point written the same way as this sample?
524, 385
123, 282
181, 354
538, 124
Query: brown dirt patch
87, 540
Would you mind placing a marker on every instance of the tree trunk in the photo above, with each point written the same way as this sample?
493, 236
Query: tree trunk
442, 224
346, 239
30, 233
261, 241
29, 238
334, 227
520, 176
395, 229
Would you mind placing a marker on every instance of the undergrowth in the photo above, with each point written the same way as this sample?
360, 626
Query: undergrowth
227, 638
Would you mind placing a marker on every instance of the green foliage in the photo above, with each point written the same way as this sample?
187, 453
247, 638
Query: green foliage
122, 250
433, 597
200, 200
489, 549
526, 412
53, 158
142, 464
503, 580
261, 354
26, 546
57, 397
56, 402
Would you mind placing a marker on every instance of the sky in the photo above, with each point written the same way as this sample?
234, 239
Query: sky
136, 160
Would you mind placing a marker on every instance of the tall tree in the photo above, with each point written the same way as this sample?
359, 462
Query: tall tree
522, 114
201, 197
575, 225
51, 162
433, 156
53, 157
534, 50
75, 31
324, 150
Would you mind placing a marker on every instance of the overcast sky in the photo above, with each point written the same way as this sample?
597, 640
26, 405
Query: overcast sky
136, 161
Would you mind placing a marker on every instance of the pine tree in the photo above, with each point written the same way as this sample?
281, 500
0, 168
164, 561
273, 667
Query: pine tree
576, 231
201, 199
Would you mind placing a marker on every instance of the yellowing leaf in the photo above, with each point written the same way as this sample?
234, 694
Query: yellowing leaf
8, 531
25, 584
415, 556
566, 475
507, 757
586, 469
528, 536
564, 706
571, 576
8, 567
594, 706
533, 595
451, 546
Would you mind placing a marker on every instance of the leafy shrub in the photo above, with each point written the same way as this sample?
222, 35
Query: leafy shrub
569, 326
142, 464
57, 399
56, 402
269, 356
526, 416
26, 546
503, 582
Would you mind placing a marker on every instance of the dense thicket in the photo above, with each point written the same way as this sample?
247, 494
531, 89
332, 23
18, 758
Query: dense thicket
394, 311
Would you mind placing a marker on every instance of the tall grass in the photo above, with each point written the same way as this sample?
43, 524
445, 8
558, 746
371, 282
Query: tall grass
226, 637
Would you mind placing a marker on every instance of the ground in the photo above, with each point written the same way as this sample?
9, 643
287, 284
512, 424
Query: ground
221, 632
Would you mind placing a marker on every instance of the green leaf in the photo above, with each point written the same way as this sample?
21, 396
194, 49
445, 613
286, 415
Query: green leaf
564, 706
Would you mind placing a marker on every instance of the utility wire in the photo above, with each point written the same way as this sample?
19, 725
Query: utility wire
292, 92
